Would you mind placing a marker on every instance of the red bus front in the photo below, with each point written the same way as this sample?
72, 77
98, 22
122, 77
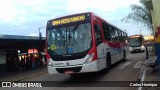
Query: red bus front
70, 45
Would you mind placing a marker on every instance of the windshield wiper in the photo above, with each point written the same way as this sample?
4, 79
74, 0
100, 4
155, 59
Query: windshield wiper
74, 29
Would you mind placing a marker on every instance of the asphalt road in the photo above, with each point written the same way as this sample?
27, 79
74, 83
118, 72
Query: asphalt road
121, 71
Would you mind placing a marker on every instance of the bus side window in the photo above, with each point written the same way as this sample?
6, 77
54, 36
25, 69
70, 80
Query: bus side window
106, 30
116, 35
97, 34
112, 34
120, 35
124, 36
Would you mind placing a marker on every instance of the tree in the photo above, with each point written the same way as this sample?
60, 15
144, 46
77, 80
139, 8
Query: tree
141, 14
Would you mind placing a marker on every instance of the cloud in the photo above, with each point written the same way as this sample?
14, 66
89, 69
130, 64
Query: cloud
26, 16
18, 10
15, 10
94, 5
33, 34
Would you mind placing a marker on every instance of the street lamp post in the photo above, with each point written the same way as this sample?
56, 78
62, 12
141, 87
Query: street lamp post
40, 34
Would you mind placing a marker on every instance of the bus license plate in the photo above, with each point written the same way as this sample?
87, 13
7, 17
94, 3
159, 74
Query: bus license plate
68, 72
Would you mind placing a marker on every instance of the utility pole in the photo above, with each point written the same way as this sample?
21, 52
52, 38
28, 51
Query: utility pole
40, 34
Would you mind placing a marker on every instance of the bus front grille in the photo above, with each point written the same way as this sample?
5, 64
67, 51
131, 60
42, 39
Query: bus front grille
74, 69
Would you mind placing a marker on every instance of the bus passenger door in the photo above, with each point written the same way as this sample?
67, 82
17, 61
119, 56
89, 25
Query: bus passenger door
114, 50
121, 44
100, 47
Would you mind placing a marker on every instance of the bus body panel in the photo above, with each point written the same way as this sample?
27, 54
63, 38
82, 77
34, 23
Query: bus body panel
127, 49
116, 54
101, 53
90, 67
116, 48
69, 63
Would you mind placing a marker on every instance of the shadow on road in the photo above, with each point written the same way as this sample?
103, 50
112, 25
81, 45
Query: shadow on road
94, 79
94, 76
135, 52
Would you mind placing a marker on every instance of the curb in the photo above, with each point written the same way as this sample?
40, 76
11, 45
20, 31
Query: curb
141, 72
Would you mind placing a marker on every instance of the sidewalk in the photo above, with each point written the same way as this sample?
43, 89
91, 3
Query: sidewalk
151, 74
23, 75
148, 73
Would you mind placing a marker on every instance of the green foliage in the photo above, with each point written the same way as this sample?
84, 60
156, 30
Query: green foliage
141, 14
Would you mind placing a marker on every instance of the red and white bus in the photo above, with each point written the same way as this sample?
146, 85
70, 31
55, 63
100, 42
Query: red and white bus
83, 43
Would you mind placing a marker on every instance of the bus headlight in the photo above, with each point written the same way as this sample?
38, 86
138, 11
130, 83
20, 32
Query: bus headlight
89, 59
142, 46
50, 63
130, 48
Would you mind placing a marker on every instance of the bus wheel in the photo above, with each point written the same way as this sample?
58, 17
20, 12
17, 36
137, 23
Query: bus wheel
108, 59
124, 56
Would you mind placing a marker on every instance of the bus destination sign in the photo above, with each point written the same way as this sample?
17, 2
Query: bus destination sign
134, 36
71, 19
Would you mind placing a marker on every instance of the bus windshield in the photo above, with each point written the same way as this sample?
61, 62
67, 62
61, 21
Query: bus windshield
70, 39
134, 42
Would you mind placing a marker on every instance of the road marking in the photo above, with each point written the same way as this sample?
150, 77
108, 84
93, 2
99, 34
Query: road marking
138, 64
142, 79
124, 65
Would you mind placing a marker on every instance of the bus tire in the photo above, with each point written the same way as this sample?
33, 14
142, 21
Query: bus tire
124, 56
108, 64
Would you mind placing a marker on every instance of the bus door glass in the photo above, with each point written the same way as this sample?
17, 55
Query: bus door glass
99, 45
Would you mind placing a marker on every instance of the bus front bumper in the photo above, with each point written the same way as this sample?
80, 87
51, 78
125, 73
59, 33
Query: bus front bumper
137, 49
84, 68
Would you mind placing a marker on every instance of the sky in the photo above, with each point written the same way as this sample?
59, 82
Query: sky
25, 17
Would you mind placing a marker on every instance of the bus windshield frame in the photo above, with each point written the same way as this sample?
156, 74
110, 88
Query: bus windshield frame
69, 40
75, 40
136, 41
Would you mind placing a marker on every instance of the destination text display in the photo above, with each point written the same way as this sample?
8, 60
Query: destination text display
67, 20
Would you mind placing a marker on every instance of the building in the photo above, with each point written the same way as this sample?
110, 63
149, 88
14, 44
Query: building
11, 46
156, 18
149, 39
155, 12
